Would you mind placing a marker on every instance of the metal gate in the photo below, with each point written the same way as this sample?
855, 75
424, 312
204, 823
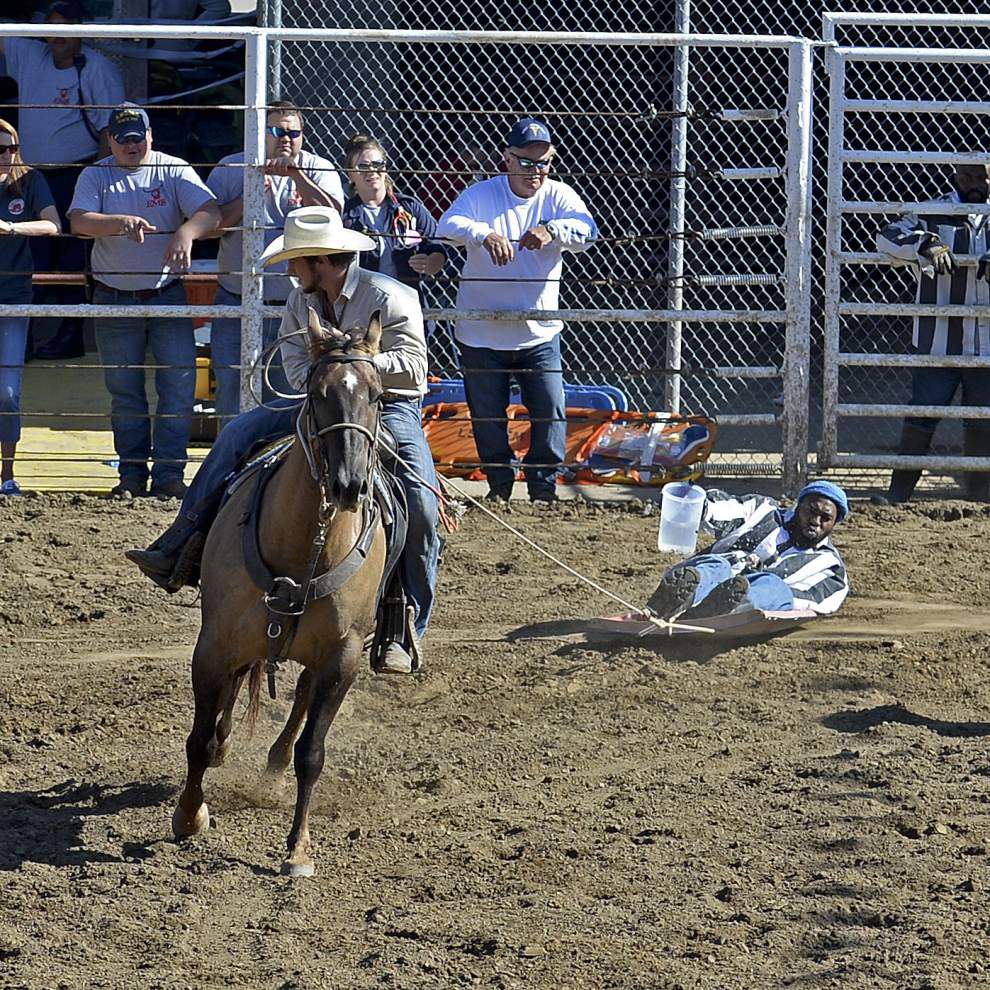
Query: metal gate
888, 153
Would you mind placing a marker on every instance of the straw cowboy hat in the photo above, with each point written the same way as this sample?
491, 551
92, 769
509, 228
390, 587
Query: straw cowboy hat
311, 231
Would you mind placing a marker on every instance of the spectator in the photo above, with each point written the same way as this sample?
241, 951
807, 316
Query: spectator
293, 178
763, 557
144, 209
400, 225
930, 242
515, 228
26, 210
68, 77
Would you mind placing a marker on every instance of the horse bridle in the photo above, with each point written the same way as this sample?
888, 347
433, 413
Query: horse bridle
309, 432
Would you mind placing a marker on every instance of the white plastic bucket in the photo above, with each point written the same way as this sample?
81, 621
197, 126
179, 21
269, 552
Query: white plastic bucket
681, 507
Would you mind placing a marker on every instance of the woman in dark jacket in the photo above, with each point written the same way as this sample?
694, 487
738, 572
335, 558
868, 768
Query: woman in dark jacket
401, 226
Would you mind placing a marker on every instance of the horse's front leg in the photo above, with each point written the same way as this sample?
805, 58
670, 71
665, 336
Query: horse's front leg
329, 686
211, 681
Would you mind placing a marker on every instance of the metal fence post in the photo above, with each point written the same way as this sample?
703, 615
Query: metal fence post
836, 66
678, 196
798, 269
252, 322
270, 16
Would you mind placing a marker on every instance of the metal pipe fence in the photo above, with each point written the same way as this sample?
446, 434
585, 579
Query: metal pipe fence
739, 311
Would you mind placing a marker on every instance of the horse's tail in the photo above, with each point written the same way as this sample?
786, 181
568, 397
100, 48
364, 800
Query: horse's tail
254, 695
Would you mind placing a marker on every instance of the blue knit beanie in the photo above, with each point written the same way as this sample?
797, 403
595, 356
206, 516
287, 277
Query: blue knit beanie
830, 491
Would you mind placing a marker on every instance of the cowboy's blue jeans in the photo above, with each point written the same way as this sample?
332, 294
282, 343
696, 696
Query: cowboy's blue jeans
402, 418
766, 591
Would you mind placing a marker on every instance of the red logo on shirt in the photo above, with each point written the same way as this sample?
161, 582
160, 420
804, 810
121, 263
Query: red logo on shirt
16, 207
155, 198
62, 100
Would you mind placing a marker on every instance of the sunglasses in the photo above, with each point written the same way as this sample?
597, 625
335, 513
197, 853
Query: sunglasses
129, 139
281, 132
376, 165
541, 164
12, 148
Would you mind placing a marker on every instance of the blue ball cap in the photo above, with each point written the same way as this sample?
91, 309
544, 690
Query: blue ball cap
830, 491
128, 121
526, 131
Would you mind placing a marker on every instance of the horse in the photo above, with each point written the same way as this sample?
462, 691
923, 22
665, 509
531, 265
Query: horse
322, 492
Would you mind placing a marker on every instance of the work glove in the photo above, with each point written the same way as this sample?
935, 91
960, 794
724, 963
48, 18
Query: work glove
938, 256
983, 268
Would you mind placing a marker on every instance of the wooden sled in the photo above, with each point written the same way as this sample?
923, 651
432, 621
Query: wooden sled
736, 626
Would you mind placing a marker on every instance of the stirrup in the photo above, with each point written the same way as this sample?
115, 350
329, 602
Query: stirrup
186, 570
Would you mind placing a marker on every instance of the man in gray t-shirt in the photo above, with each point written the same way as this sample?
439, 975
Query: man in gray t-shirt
293, 178
64, 75
144, 210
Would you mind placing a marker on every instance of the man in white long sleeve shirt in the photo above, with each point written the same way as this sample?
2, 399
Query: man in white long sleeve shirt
930, 241
763, 557
515, 229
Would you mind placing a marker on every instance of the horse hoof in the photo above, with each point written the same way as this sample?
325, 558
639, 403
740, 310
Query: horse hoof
298, 868
183, 826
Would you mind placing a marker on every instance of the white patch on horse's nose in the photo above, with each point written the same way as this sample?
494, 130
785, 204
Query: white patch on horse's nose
349, 381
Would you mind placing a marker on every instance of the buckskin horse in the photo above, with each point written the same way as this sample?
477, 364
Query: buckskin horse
318, 526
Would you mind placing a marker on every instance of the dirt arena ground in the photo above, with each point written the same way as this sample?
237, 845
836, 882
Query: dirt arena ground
533, 811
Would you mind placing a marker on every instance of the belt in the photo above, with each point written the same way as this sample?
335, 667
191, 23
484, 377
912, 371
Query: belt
134, 293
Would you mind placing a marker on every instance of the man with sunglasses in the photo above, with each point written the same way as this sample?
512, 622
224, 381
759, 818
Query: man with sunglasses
515, 229
72, 87
144, 210
293, 178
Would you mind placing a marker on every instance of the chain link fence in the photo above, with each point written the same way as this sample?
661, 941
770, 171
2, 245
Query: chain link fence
441, 107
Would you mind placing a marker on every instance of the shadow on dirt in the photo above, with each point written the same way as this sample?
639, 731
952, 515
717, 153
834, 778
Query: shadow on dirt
47, 826
860, 721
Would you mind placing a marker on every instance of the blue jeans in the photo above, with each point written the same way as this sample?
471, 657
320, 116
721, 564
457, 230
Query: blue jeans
225, 349
487, 375
402, 418
125, 340
13, 336
937, 386
766, 591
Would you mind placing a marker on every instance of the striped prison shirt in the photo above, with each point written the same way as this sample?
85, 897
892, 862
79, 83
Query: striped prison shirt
750, 532
963, 235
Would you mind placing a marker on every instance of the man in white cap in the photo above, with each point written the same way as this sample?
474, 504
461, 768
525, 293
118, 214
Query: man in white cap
323, 257
515, 229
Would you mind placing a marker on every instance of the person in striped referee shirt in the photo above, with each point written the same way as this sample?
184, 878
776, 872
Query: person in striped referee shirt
931, 242
764, 557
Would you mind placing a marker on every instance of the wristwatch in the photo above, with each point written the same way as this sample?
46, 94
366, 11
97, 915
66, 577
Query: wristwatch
551, 230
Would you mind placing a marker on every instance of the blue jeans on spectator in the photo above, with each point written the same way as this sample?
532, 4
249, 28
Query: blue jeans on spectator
402, 418
13, 337
125, 341
766, 591
487, 375
225, 351
937, 386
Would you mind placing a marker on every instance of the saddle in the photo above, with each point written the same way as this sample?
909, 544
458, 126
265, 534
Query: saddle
286, 599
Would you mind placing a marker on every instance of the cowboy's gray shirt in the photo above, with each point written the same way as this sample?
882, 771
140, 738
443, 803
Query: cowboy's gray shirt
401, 360
750, 532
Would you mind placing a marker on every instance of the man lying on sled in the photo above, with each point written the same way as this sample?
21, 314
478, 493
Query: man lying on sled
764, 557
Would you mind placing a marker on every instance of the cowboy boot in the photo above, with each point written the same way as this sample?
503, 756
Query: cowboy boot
976, 443
915, 441
160, 561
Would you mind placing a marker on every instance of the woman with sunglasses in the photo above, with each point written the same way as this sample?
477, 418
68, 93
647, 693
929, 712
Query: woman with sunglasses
401, 226
26, 210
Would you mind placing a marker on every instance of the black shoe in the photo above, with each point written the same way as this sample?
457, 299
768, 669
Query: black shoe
675, 592
545, 496
60, 348
503, 494
129, 488
725, 598
172, 488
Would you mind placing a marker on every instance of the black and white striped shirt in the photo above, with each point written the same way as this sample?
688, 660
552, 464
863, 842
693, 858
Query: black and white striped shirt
750, 533
963, 235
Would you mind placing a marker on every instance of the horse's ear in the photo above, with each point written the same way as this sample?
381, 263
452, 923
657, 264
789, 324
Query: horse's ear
373, 338
318, 334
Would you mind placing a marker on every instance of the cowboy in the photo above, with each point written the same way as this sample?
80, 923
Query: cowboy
515, 229
764, 557
323, 257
